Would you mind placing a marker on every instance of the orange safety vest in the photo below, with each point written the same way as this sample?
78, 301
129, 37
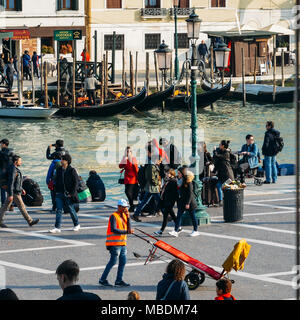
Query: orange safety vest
114, 239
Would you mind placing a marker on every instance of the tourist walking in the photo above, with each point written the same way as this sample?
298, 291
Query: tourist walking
66, 184
168, 196
96, 186
130, 167
116, 243
270, 150
6, 155
173, 286
223, 290
203, 51
186, 202
67, 276
223, 167
10, 72
15, 192
35, 62
26, 65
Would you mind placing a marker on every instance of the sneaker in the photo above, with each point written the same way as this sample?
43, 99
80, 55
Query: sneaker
179, 230
121, 284
76, 228
267, 182
105, 283
195, 234
33, 222
55, 230
158, 233
136, 218
2, 225
174, 233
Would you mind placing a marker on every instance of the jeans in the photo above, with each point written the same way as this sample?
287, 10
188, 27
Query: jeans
61, 202
220, 192
3, 196
166, 211
116, 251
147, 197
53, 194
179, 218
270, 168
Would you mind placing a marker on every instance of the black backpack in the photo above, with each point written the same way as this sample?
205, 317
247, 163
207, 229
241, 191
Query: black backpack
5, 162
233, 161
278, 143
141, 177
33, 197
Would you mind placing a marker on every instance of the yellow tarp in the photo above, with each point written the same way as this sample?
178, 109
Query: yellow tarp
237, 257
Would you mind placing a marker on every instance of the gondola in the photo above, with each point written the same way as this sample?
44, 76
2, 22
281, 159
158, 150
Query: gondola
106, 110
154, 100
203, 99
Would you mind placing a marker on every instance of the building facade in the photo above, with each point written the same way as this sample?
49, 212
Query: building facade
33, 24
141, 25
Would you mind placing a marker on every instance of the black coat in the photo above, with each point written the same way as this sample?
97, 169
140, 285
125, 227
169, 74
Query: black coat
67, 182
76, 293
222, 165
186, 196
269, 145
97, 188
15, 180
57, 154
169, 194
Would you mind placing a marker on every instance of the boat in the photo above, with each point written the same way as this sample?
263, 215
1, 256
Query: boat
203, 99
27, 112
154, 100
106, 110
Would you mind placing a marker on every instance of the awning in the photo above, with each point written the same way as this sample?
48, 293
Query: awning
244, 34
278, 29
18, 34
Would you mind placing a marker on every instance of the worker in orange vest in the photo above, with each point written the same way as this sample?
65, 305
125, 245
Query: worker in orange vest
116, 242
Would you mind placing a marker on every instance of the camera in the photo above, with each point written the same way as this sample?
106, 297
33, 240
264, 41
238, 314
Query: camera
53, 145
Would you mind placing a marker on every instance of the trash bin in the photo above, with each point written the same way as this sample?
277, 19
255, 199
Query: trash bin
233, 205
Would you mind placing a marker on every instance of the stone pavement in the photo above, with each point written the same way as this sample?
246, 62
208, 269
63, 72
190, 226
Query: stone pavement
30, 256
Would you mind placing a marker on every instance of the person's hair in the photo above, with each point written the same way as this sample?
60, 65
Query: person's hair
5, 141
204, 147
34, 52
248, 136
59, 143
133, 295
8, 294
270, 124
172, 172
15, 158
225, 143
92, 172
177, 268
224, 285
67, 158
70, 269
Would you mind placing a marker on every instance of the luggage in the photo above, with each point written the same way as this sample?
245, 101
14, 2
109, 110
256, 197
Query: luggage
209, 191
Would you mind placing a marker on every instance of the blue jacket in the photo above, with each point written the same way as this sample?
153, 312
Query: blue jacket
26, 59
51, 171
179, 290
252, 159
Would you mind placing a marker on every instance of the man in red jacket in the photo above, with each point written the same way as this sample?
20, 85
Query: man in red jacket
129, 165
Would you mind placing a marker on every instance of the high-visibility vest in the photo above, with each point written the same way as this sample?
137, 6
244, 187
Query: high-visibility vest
114, 239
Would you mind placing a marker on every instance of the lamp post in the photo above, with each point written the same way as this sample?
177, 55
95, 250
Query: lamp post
193, 28
222, 56
164, 57
176, 5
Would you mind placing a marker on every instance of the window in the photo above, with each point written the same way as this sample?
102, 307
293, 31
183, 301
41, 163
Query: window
113, 4
184, 3
67, 5
218, 3
13, 5
108, 41
152, 3
183, 41
152, 40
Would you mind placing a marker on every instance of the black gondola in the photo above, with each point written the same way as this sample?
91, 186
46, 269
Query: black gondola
154, 100
106, 110
203, 99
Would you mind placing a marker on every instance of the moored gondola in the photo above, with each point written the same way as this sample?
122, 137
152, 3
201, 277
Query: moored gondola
203, 99
105, 110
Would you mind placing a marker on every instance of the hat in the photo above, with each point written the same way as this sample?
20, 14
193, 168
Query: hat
123, 203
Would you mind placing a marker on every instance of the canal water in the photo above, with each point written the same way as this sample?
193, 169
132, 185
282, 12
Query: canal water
229, 120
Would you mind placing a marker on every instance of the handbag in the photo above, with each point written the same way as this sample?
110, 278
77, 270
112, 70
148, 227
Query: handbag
121, 180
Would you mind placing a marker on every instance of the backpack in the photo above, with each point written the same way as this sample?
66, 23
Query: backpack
141, 177
279, 144
33, 195
233, 161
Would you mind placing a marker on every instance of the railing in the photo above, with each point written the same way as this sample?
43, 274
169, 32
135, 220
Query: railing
153, 12
181, 11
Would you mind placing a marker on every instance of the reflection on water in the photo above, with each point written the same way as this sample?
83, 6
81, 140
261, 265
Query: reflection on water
229, 120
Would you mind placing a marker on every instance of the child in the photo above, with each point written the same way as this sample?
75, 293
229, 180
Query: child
223, 289
133, 295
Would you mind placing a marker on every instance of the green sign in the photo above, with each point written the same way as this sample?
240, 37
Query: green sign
67, 35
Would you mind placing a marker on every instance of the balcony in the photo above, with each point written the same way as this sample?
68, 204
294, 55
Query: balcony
153, 13
183, 12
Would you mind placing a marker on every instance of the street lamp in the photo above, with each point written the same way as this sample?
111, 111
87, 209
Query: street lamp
193, 28
222, 58
176, 5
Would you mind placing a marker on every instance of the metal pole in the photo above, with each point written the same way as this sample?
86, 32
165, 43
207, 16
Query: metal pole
136, 72
58, 84
176, 45
113, 58
201, 214
73, 79
42, 74
46, 85
32, 83
274, 68
95, 53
